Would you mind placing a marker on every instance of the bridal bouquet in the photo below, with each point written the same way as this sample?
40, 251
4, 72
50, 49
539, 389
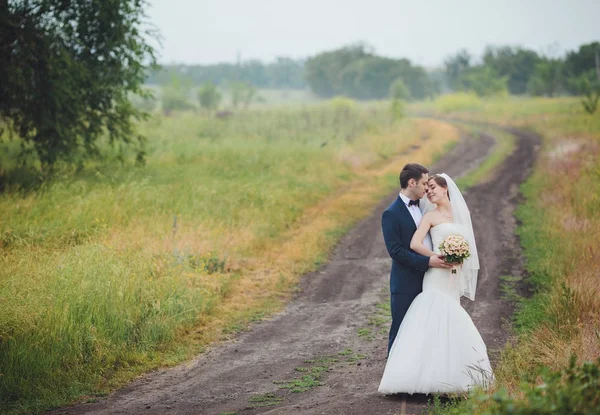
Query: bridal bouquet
455, 249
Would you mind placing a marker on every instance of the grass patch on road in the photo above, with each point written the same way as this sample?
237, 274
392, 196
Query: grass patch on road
303, 384
264, 400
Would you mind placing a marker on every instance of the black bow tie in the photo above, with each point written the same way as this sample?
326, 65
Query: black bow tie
413, 203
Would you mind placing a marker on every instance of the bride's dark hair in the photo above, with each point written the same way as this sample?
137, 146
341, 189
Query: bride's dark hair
440, 181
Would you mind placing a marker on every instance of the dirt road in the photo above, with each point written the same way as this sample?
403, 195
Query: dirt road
334, 331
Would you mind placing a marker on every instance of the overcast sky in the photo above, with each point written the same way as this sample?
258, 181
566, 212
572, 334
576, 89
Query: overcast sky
424, 31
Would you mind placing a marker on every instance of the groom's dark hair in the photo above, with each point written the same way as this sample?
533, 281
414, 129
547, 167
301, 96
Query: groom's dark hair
411, 171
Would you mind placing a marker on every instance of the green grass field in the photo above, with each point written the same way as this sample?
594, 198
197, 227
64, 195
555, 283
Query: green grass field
110, 270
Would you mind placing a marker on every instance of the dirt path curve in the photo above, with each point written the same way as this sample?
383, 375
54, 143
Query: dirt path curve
327, 315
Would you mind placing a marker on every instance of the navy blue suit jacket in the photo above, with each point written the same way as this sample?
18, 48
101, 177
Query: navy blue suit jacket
408, 267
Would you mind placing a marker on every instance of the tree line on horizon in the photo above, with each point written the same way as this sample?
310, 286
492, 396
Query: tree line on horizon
358, 72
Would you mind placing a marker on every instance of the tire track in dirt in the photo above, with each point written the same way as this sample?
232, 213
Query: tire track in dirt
325, 315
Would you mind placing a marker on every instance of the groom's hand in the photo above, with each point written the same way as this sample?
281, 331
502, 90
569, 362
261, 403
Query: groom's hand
437, 261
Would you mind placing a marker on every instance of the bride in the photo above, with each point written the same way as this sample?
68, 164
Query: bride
438, 348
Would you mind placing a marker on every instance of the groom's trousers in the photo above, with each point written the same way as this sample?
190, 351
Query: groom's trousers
399, 304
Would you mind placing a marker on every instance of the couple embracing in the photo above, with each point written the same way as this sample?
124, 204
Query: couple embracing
433, 346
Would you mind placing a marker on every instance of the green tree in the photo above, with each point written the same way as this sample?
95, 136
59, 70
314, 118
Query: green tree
482, 80
455, 65
370, 77
399, 90
516, 64
286, 73
437, 82
283, 73
588, 86
355, 71
546, 79
242, 93
67, 69
398, 94
174, 96
322, 72
580, 63
209, 96
254, 72
583, 60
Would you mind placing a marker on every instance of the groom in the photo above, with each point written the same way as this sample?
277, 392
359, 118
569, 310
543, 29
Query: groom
399, 222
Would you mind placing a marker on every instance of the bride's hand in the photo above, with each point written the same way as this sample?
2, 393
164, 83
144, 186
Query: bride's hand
437, 261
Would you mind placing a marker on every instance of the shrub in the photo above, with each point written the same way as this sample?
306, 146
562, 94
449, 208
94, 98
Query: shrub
573, 390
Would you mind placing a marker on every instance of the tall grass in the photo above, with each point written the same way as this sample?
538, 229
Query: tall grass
71, 318
559, 227
113, 269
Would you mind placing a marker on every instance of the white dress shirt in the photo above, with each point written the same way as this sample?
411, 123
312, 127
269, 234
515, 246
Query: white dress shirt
417, 215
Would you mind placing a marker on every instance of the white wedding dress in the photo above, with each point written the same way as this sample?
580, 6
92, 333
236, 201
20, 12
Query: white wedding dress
438, 348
